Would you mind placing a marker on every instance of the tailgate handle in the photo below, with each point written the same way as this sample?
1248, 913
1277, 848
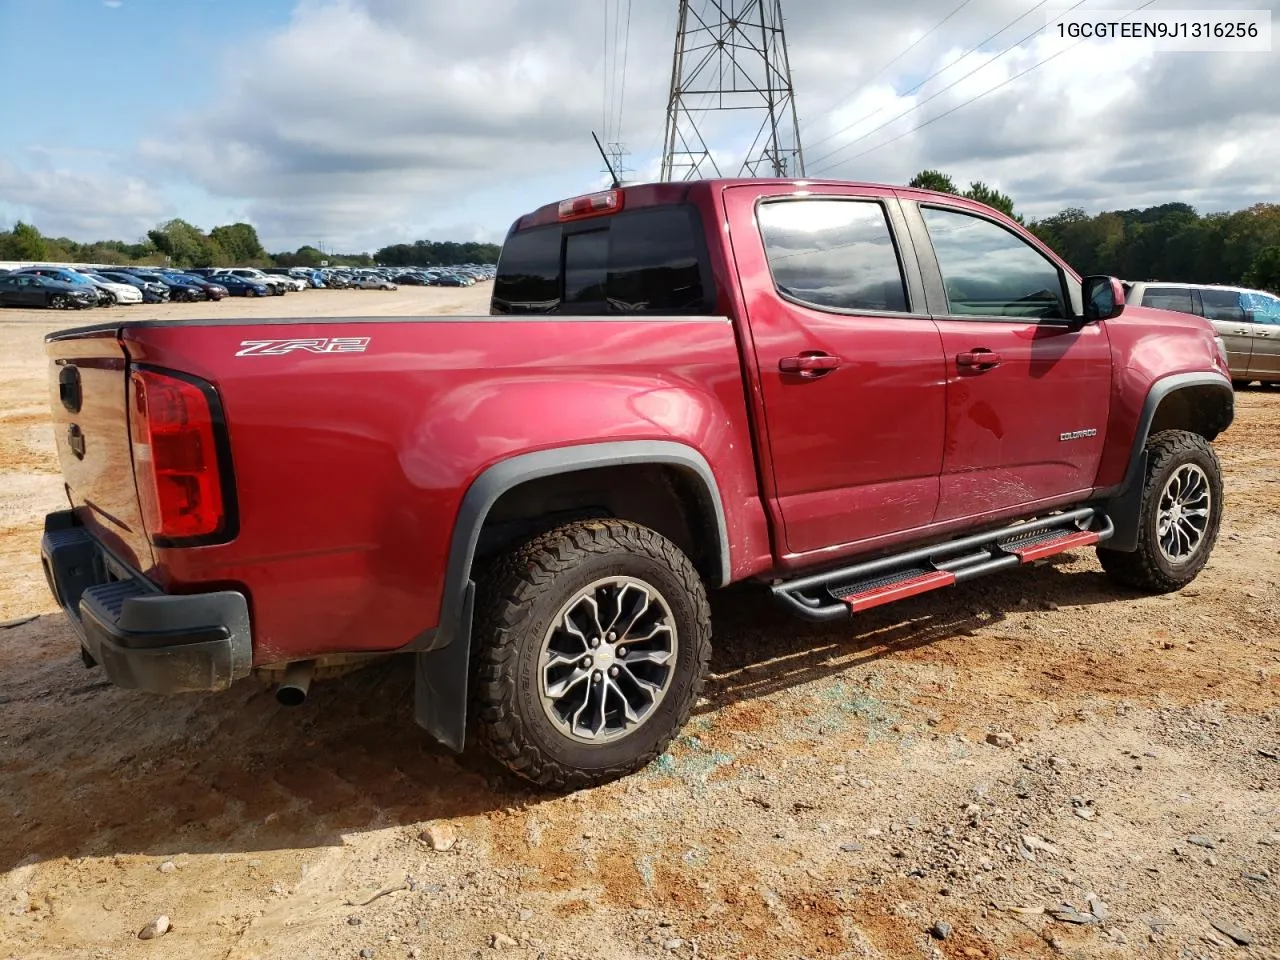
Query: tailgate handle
69, 388
75, 440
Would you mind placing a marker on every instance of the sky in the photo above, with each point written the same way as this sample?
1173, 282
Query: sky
359, 123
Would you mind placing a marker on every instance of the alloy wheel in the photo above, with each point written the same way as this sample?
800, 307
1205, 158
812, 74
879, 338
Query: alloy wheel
607, 660
1183, 513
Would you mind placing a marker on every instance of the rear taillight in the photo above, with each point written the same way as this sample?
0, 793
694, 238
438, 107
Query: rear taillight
594, 205
175, 421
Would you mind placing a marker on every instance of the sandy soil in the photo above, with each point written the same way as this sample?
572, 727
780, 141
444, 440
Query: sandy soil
835, 795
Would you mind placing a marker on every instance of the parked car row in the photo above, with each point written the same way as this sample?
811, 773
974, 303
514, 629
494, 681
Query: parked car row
1248, 321
61, 287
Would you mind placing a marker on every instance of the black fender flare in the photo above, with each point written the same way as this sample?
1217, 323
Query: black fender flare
443, 653
1124, 506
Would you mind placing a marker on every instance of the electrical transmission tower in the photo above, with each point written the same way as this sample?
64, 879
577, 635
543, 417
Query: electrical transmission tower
731, 55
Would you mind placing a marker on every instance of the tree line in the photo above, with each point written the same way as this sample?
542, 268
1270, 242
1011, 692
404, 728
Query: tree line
1171, 241
1167, 242
182, 244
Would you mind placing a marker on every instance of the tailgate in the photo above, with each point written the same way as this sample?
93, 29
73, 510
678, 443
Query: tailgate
88, 390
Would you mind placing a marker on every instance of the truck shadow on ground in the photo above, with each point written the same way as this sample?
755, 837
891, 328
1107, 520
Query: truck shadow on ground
90, 770
760, 648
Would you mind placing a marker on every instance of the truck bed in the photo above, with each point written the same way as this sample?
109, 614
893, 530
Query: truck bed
353, 441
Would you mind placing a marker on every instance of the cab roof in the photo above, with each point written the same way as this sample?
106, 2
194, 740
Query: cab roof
656, 194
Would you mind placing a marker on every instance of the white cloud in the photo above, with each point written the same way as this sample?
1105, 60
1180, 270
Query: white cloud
83, 206
364, 122
113, 4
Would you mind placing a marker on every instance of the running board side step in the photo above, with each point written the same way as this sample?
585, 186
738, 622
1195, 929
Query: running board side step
848, 590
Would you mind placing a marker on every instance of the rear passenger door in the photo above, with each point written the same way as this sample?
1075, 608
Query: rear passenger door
850, 364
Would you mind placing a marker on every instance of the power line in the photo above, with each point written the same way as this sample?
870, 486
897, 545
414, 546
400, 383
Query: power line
613, 80
974, 99
604, 75
972, 50
911, 46
622, 88
1007, 50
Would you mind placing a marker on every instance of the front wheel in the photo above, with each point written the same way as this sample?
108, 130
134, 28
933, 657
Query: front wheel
593, 642
59, 301
1179, 518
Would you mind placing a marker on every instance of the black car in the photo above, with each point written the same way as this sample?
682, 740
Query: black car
240, 287
33, 290
179, 290
151, 292
211, 290
102, 296
448, 280
412, 279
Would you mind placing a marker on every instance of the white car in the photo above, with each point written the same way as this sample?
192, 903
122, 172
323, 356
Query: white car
369, 282
123, 292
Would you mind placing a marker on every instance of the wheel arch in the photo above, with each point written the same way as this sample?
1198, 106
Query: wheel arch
1202, 403
443, 653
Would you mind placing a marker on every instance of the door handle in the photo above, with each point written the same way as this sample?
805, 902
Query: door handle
979, 358
809, 365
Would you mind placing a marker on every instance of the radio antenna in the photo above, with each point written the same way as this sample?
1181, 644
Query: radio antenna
613, 173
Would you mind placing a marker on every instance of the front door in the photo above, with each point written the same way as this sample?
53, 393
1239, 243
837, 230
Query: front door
1027, 396
1262, 310
850, 364
1225, 311
31, 292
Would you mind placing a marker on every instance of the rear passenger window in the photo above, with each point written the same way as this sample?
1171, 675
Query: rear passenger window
833, 254
1169, 298
1222, 304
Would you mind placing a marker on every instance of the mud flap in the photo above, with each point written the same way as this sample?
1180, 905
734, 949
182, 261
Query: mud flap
441, 680
1125, 511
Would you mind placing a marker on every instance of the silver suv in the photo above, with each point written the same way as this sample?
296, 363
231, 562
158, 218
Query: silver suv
1247, 320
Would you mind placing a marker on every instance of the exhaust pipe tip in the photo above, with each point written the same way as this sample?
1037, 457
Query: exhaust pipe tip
293, 689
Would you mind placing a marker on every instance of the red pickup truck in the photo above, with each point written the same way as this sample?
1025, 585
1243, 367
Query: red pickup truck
847, 393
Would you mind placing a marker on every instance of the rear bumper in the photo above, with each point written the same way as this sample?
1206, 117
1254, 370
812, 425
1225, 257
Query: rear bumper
143, 638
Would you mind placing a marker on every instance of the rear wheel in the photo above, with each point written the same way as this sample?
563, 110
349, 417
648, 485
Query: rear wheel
592, 645
1179, 518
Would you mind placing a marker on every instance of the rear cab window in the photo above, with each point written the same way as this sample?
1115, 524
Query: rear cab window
649, 260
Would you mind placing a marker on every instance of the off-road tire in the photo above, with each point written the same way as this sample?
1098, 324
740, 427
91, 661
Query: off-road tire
517, 599
1147, 568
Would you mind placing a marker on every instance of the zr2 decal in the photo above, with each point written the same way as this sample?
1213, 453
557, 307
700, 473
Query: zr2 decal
278, 348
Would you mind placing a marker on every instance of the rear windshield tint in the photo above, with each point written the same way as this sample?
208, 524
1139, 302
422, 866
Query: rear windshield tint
641, 261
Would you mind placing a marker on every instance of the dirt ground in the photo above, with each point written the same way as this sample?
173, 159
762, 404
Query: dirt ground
837, 794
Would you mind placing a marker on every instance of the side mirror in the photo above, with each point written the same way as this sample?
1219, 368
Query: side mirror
1103, 298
